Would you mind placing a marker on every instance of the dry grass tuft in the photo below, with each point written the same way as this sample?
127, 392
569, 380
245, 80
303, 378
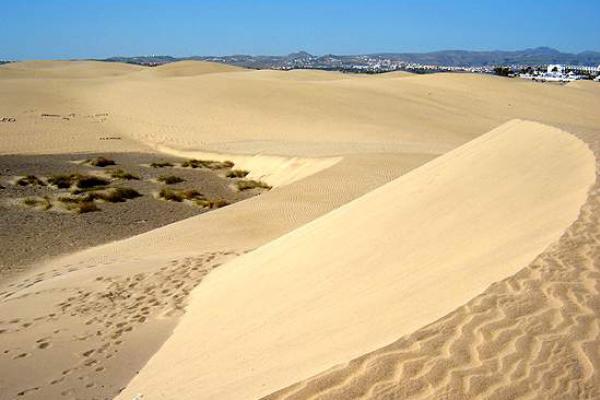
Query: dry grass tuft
161, 164
112, 195
209, 164
247, 184
170, 179
205, 203
120, 174
179, 195
38, 202
30, 180
80, 181
237, 173
101, 162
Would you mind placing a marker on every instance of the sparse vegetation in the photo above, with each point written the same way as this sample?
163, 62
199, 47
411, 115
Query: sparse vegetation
120, 174
78, 205
80, 181
161, 164
87, 207
248, 184
90, 181
61, 181
209, 164
38, 202
179, 195
101, 162
205, 203
237, 173
170, 179
112, 195
30, 180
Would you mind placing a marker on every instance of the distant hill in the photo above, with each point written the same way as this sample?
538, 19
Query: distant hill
536, 56
451, 58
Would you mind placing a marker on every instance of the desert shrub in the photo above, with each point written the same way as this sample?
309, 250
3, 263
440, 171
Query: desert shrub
89, 181
61, 181
101, 162
161, 164
210, 164
120, 174
79, 205
219, 203
86, 207
170, 179
248, 184
30, 180
237, 173
80, 181
42, 202
178, 195
205, 203
112, 195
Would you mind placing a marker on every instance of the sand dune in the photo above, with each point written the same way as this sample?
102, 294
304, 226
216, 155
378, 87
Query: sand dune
409, 253
65, 69
241, 112
190, 68
324, 139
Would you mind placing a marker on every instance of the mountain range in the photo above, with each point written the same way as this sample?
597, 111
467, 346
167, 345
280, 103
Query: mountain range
451, 58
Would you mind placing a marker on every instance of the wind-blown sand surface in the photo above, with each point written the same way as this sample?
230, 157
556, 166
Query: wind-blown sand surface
364, 281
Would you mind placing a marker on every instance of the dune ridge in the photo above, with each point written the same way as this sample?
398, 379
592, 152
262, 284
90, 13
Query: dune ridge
534, 335
306, 301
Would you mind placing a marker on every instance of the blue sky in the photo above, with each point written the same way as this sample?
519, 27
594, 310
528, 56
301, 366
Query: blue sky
55, 29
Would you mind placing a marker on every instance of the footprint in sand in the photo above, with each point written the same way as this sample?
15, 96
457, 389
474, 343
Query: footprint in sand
43, 345
88, 353
22, 355
24, 392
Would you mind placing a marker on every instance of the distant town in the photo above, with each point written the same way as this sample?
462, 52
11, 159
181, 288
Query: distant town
539, 64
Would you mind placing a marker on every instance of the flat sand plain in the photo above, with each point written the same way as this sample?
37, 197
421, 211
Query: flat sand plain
428, 241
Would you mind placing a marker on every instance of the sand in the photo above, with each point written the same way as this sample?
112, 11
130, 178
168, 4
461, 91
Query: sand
419, 245
339, 150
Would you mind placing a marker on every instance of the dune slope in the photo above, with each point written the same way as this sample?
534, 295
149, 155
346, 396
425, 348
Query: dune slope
410, 252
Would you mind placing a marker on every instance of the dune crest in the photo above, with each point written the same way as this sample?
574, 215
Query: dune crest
421, 245
191, 68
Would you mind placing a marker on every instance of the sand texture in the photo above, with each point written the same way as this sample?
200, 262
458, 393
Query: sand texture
420, 245
427, 237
